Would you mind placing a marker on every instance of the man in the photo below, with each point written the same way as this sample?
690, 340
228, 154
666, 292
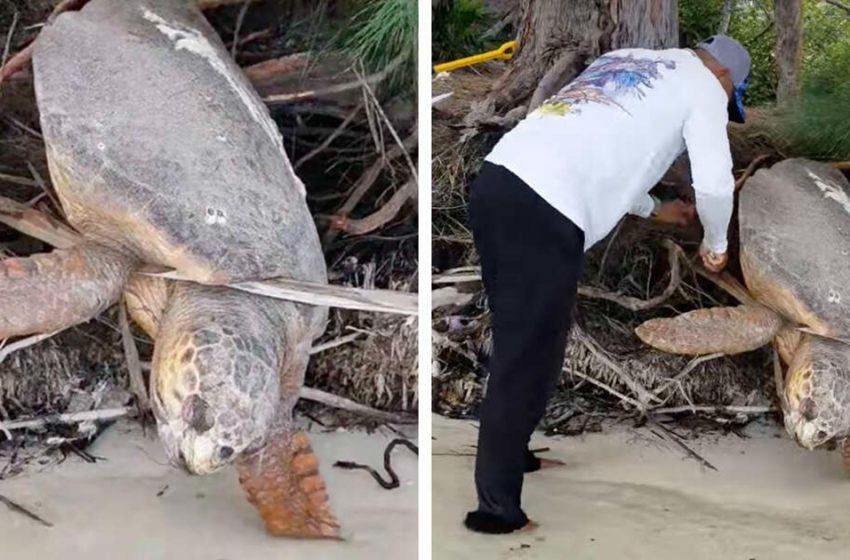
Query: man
558, 183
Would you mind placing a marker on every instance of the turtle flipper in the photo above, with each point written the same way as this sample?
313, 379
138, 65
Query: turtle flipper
52, 291
719, 330
283, 483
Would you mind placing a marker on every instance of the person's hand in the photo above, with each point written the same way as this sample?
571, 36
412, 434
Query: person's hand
676, 212
714, 262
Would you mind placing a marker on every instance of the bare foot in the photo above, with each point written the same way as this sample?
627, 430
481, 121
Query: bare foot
528, 527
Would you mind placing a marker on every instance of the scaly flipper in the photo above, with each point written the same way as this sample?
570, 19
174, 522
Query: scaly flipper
282, 481
723, 330
52, 291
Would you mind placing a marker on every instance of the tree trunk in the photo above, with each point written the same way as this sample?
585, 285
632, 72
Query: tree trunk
565, 36
726, 16
789, 36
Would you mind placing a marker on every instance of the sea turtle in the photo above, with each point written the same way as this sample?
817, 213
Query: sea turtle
163, 155
794, 223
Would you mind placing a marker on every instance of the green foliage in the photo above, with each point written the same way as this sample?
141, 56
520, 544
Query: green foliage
383, 35
457, 29
751, 24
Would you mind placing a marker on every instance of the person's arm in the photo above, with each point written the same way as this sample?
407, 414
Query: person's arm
711, 167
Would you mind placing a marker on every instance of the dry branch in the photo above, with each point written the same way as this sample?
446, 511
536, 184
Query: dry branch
380, 217
39, 225
134, 366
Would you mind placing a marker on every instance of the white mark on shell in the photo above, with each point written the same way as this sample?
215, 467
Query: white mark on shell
215, 216
101, 146
221, 138
193, 41
833, 297
832, 192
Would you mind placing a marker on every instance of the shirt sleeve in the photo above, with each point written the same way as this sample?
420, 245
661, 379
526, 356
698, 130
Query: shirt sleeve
643, 206
711, 166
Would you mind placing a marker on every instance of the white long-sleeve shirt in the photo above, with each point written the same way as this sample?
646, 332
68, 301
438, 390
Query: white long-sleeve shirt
596, 148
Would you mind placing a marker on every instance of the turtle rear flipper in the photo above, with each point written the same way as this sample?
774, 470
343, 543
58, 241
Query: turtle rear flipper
719, 330
282, 481
52, 291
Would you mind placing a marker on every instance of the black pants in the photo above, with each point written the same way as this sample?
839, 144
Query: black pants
531, 258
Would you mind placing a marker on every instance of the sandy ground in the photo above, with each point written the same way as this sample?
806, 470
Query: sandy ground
624, 494
111, 509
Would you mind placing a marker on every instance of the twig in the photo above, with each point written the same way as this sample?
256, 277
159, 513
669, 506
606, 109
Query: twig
18, 180
389, 125
305, 95
644, 396
717, 409
686, 370
839, 5
749, 171
342, 403
17, 508
239, 20
274, 67
380, 217
68, 418
7, 349
637, 304
607, 388
331, 137
335, 343
8, 44
131, 354
675, 439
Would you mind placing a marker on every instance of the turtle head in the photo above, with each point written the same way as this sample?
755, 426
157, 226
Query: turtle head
816, 400
215, 383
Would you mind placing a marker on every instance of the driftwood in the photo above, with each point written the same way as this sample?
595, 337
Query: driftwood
41, 226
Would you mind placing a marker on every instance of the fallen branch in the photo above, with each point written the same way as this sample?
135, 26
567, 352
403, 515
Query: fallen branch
335, 401
41, 226
274, 67
379, 218
686, 370
357, 83
643, 395
68, 418
716, 409
749, 171
669, 434
307, 393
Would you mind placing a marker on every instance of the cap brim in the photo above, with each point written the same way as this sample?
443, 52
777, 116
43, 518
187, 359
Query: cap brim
736, 107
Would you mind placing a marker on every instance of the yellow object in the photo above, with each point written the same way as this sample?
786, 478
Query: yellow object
505, 52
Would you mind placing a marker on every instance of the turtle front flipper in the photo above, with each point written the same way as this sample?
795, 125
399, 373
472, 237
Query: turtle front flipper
283, 483
52, 291
719, 330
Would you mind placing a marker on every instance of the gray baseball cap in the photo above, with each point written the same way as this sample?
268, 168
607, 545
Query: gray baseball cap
735, 58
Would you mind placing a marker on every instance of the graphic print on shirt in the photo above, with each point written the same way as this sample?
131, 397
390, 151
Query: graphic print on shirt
605, 81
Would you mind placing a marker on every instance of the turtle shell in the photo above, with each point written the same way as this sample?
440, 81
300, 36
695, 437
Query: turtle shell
795, 243
158, 144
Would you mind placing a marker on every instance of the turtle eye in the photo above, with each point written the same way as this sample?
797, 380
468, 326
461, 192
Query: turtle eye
822, 434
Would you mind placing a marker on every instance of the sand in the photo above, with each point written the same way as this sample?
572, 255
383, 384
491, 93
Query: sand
111, 509
623, 494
